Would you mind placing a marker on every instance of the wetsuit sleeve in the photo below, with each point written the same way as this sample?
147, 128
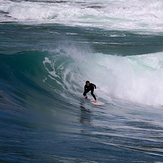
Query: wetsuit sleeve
85, 88
84, 94
94, 86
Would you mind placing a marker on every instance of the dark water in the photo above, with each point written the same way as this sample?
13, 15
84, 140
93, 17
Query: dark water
43, 69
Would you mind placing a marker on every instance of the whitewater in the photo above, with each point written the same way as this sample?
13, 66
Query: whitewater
48, 49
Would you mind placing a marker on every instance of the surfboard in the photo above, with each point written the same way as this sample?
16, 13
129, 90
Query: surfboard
96, 103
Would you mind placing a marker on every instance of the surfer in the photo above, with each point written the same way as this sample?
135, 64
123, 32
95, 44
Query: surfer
89, 87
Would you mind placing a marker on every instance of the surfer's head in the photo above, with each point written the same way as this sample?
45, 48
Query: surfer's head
87, 83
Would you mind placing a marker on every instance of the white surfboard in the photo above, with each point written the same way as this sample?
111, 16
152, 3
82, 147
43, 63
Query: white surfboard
96, 103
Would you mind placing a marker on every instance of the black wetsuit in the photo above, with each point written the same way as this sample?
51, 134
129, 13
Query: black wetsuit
89, 88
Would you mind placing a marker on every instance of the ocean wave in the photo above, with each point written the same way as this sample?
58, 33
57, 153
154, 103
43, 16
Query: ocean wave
134, 79
143, 16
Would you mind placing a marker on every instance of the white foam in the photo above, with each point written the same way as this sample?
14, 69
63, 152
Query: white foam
136, 79
134, 15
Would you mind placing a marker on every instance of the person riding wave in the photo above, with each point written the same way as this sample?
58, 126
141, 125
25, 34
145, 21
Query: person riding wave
89, 87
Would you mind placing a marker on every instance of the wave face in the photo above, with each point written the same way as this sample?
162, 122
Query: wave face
66, 69
49, 49
117, 77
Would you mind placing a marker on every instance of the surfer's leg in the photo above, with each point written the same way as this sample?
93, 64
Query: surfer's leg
93, 94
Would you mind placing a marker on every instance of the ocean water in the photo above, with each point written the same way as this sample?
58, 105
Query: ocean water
49, 48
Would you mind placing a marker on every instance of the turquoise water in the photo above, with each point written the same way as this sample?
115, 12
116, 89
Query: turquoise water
49, 49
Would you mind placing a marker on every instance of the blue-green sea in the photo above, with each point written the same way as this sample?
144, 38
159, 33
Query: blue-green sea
48, 49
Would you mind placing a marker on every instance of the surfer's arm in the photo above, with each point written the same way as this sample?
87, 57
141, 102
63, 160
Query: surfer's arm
94, 86
84, 94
